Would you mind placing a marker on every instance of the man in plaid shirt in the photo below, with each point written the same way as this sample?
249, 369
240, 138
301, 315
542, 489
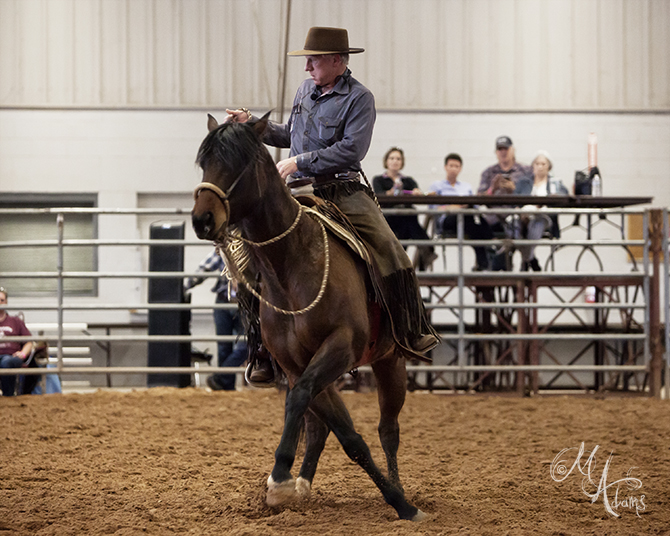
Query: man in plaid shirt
226, 321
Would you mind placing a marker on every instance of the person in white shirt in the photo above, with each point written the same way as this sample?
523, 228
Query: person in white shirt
533, 226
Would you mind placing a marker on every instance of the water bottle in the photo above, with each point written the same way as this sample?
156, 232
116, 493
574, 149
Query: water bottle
590, 294
397, 186
596, 186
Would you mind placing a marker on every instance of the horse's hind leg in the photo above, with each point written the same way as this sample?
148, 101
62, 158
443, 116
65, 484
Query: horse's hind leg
391, 388
331, 409
316, 433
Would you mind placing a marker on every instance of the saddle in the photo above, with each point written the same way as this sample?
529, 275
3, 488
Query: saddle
336, 222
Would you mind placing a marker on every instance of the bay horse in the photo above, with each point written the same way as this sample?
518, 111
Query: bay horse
314, 314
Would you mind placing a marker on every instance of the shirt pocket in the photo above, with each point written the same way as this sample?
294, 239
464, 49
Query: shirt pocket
328, 128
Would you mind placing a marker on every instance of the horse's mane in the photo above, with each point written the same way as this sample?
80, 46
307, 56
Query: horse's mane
230, 144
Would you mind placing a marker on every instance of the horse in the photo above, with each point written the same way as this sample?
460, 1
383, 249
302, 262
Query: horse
315, 316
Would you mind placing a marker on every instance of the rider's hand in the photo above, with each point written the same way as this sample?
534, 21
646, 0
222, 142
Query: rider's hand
287, 166
237, 116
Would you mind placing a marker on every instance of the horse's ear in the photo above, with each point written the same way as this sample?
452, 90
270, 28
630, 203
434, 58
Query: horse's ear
261, 124
211, 122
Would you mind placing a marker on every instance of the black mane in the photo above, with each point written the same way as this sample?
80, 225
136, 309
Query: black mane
231, 145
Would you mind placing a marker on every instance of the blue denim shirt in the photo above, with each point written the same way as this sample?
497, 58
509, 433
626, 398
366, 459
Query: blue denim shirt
330, 133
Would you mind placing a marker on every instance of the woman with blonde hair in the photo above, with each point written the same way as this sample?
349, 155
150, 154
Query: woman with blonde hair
533, 226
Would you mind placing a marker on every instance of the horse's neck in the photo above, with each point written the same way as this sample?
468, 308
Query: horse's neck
277, 212
273, 212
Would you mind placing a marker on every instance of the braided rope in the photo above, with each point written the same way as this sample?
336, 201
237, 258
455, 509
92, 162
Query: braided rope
279, 237
234, 269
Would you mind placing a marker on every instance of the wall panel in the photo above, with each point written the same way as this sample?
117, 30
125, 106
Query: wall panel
86, 78
140, 53
659, 55
558, 55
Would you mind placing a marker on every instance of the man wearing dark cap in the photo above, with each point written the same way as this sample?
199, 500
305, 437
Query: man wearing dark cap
504, 176
329, 133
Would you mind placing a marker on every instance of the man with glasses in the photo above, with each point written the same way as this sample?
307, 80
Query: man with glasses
12, 353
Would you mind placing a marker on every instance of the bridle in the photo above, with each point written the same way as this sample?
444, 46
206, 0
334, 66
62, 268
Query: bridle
223, 196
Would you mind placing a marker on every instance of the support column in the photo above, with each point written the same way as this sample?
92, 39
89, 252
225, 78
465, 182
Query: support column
655, 346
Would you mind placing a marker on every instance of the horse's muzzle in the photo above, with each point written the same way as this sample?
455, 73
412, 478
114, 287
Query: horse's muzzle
204, 225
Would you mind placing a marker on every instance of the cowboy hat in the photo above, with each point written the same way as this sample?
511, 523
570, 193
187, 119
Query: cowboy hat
326, 41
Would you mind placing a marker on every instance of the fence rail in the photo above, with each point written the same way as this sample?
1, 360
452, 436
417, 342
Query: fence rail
646, 300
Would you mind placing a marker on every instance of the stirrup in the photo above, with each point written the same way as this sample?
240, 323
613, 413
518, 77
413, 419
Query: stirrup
260, 385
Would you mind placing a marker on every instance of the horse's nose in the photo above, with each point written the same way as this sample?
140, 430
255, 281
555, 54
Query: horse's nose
203, 224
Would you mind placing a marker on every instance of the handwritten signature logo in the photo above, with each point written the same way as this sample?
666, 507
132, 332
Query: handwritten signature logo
559, 472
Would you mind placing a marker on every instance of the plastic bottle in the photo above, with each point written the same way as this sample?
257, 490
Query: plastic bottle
590, 294
596, 186
596, 181
397, 186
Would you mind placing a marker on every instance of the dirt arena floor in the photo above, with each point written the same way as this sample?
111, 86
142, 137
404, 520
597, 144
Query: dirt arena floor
168, 461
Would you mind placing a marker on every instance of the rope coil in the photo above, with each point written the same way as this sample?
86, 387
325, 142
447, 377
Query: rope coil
237, 259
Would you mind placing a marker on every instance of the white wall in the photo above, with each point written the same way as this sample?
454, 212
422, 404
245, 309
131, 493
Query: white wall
122, 153
420, 54
126, 156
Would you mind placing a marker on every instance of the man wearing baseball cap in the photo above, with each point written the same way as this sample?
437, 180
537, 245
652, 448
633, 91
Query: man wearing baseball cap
506, 174
500, 179
329, 133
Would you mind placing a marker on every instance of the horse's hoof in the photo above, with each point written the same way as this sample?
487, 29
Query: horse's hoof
419, 516
303, 487
280, 492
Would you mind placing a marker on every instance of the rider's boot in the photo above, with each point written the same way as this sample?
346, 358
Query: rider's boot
261, 370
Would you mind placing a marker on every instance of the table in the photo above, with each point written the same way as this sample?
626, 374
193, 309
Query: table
558, 201
551, 201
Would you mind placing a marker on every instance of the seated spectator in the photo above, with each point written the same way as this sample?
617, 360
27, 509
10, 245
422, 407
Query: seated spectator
12, 354
502, 179
533, 226
392, 182
226, 322
474, 228
503, 176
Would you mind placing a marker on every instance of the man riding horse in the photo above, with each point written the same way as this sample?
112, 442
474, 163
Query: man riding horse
328, 133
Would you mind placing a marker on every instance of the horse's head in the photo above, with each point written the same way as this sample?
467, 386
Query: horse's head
229, 156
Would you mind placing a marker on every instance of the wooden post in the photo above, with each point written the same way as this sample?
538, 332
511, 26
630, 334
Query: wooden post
656, 363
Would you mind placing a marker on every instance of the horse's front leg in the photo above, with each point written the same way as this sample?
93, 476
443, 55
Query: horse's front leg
329, 363
316, 433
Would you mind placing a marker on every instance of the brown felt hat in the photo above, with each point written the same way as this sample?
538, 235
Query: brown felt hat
326, 41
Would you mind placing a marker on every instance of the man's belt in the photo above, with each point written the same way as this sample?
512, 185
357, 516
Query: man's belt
317, 180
